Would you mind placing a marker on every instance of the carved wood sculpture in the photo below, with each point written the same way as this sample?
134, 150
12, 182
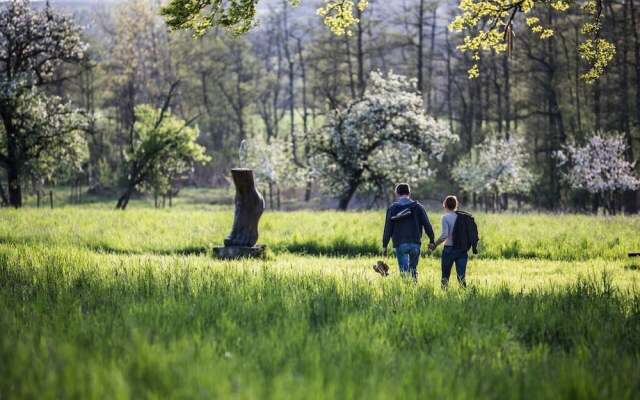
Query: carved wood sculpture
249, 205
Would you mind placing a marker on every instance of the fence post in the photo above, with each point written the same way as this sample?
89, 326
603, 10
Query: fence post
51, 198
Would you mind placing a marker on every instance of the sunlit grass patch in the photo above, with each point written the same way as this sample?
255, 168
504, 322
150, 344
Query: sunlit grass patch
534, 236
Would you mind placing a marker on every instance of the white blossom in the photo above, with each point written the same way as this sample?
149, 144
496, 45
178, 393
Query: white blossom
380, 139
272, 162
51, 135
45, 39
496, 166
600, 165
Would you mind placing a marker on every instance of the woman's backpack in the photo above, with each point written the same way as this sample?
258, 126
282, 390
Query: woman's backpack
465, 232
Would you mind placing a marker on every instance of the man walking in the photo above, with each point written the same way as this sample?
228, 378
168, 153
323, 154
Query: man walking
405, 221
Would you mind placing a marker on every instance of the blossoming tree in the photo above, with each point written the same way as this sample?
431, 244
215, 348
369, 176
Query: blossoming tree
33, 43
379, 139
273, 165
600, 167
496, 167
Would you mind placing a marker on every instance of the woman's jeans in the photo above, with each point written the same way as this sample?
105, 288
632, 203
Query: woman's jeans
451, 255
408, 255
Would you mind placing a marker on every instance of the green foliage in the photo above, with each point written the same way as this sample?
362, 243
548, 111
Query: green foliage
488, 27
239, 16
488, 24
338, 15
165, 147
84, 322
136, 54
200, 16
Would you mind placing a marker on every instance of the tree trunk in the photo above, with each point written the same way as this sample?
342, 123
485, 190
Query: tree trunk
307, 192
576, 78
636, 55
432, 45
449, 83
305, 115
629, 197
3, 196
597, 114
278, 197
352, 84
123, 201
507, 96
347, 195
496, 85
360, 53
291, 81
15, 190
271, 196
420, 49
505, 202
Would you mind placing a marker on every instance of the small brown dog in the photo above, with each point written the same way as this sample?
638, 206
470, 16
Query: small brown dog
382, 268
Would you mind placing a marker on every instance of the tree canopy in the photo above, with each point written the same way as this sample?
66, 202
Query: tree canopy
495, 167
165, 147
33, 44
488, 24
599, 166
382, 137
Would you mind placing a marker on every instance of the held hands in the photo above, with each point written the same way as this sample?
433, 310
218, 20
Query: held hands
430, 248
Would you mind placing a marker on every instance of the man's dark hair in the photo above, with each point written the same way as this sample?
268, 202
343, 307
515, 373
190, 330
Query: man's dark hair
451, 203
403, 189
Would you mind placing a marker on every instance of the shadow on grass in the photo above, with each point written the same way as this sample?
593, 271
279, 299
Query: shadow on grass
184, 251
338, 247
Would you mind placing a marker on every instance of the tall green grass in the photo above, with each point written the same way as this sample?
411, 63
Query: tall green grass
539, 236
76, 324
107, 305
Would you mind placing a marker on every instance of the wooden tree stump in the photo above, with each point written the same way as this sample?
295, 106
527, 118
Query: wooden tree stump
249, 206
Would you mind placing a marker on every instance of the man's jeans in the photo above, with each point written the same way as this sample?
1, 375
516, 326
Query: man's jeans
452, 255
408, 255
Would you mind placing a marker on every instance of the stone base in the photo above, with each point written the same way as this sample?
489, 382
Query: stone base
234, 252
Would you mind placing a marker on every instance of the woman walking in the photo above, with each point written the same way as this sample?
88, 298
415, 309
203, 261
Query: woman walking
459, 234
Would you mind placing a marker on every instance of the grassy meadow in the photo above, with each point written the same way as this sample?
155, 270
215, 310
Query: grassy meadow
100, 304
